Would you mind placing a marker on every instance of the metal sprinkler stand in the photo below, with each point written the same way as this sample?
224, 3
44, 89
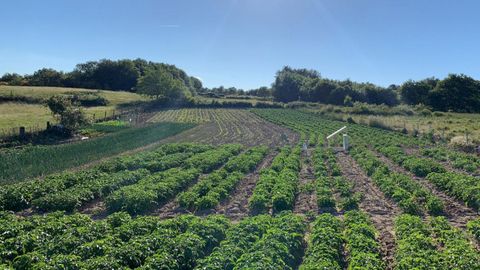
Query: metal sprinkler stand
345, 138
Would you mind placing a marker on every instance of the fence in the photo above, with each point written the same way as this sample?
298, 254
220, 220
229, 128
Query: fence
132, 116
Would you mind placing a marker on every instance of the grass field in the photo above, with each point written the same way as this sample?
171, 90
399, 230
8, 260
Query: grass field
13, 115
447, 125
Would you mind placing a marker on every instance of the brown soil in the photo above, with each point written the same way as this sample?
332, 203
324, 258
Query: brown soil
233, 126
306, 201
381, 211
236, 207
96, 209
455, 211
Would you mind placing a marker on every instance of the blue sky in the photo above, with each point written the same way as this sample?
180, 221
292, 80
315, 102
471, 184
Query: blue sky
242, 43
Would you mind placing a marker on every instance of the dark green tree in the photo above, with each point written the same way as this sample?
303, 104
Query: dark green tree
70, 115
459, 93
46, 77
161, 84
287, 85
412, 92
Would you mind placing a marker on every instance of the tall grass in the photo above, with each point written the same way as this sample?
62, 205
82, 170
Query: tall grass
34, 161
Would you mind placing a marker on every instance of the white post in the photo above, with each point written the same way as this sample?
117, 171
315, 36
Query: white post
345, 142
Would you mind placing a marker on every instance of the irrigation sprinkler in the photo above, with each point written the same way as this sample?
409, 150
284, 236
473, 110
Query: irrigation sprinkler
345, 138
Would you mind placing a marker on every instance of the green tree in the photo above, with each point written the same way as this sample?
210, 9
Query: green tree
70, 116
459, 93
412, 92
46, 77
287, 85
13, 79
161, 84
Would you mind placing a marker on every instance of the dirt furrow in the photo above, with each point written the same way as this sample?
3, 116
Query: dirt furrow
306, 199
236, 207
382, 212
456, 212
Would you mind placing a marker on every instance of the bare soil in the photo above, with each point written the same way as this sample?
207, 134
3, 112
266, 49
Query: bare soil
220, 126
382, 211
306, 201
455, 211
236, 207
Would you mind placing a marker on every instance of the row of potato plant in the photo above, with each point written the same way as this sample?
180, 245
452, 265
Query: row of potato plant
215, 187
58, 241
277, 186
331, 239
473, 227
464, 161
260, 242
432, 245
158, 188
410, 195
19, 196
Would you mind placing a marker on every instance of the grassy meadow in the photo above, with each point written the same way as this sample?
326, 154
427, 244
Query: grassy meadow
13, 114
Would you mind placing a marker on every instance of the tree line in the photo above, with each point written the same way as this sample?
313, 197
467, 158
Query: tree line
458, 93
455, 92
126, 75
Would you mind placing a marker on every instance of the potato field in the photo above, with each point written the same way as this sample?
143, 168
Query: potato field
252, 189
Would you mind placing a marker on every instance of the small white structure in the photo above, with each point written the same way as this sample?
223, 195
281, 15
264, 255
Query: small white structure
345, 138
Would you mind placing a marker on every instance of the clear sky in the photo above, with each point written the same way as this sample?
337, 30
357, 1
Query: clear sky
242, 43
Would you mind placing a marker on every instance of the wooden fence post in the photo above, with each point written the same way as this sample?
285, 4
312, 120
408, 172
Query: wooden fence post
21, 131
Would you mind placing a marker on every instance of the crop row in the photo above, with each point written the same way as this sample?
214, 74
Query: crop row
331, 238
19, 196
418, 245
259, 242
277, 186
58, 241
215, 187
474, 228
459, 185
158, 188
410, 196
464, 161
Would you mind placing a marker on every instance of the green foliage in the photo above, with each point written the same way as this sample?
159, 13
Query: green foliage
463, 187
422, 167
71, 117
307, 85
33, 161
415, 246
473, 227
58, 241
161, 84
360, 242
277, 186
325, 245
215, 187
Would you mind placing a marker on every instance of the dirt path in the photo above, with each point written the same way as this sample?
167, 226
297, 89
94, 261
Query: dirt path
381, 211
456, 212
236, 207
306, 199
